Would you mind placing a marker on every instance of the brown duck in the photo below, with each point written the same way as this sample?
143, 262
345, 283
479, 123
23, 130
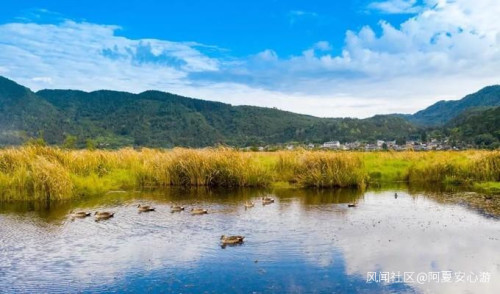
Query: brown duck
176, 208
267, 200
145, 208
249, 204
229, 240
103, 215
197, 211
80, 214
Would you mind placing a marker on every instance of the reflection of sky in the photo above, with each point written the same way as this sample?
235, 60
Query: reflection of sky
290, 246
420, 235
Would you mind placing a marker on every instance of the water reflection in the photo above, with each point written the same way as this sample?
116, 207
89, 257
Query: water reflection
307, 241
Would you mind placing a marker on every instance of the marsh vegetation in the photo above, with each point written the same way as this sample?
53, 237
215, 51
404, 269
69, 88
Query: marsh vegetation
43, 173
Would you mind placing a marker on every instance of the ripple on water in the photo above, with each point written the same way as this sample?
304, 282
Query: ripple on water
298, 243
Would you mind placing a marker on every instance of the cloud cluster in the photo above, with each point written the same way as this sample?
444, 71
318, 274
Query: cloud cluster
90, 56
445, 49
395, 6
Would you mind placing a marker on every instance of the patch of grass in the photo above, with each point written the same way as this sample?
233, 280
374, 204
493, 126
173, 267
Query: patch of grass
49, 173
321, 169
386, 167
488, 187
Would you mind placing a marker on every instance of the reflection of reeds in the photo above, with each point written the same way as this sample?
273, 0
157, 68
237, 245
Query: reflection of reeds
53, 173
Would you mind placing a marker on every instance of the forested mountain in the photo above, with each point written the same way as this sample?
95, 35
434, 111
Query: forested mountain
22, 112
478, 126
157, 119
442, 112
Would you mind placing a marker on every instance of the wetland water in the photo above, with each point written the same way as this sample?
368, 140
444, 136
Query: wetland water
307, 241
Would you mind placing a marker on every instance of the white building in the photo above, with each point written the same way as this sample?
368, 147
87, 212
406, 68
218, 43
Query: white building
331, 144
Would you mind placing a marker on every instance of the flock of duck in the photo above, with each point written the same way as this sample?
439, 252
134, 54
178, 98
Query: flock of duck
225, 240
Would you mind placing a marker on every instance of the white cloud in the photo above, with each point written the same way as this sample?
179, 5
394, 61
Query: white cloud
268, 55
295, 16
47, 80
89, 56
395, 6
323, 46
447, 50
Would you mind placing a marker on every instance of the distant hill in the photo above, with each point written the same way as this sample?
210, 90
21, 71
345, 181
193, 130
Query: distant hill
158, 119
22, 111
115, 119
442, 112
479, 126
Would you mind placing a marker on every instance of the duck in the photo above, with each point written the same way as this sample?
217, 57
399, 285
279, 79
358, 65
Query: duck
396, 195
103, 215
198, 211
80, 214
249, 204
351, 205
267, 200
176, 208
229, 240
145, 208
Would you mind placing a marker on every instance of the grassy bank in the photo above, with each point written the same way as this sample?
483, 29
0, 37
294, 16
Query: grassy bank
53, 173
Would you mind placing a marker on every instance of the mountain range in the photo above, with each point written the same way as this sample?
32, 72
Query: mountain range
443, 112
115, 119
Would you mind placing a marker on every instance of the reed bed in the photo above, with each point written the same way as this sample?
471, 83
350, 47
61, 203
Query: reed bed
44, 173
465, 168
322, 169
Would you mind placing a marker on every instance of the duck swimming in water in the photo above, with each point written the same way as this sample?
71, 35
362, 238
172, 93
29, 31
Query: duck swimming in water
197, 211
80, 214
231, 240
267, 200
249, 204
103, 215
176, 208
145, 208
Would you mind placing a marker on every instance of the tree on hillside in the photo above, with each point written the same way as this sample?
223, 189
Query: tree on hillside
69, 142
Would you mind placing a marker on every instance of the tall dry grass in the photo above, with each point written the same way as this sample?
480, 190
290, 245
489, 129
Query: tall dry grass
322, 169
456, 168
52, 173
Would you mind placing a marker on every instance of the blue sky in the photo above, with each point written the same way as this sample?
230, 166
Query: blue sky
243, 27
325, 58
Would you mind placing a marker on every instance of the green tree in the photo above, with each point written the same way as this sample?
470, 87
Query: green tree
484, 140
400, 141
35, 142
423, 136
90, 144
69, 142
40, 141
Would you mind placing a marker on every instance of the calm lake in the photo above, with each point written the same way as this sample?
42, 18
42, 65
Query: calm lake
308, 241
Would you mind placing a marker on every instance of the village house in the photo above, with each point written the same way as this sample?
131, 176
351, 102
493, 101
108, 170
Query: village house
331, 145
